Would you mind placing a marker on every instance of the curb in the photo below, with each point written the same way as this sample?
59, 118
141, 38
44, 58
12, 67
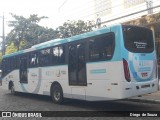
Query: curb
144, 100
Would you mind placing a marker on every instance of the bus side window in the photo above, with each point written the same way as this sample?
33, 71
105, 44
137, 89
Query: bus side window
33, 60
61, 55
4, 67
55, 55
7, 66
12, 61
58, 55
101, 48
17, 62
93, 53
44, 57
23, 69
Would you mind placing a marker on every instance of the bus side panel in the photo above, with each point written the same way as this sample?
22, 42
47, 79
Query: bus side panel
105, 78
5, 82
104, 81
58, 74
12, 76
34, 82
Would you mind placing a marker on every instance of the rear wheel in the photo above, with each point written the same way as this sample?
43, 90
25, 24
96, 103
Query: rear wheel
57, 94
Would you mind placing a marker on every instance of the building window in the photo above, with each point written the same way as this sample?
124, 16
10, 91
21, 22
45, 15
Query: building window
103, 7
131, 3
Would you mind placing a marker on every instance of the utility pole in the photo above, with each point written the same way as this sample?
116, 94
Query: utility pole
149, 4
3, 37
98, 21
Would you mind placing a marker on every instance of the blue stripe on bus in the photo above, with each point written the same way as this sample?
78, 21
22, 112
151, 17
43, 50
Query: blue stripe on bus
97, 71
13, 54
23, 88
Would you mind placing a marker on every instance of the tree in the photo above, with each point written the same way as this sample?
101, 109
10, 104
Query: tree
26, 32
38, 34
21, 26
71, 28
11, 48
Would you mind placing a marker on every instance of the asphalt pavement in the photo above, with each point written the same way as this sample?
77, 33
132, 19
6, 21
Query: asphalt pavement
148, 98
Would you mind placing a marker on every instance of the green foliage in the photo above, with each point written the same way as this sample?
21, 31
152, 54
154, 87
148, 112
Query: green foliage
23, 27
71, 28
38, 34
26, 32
11, 48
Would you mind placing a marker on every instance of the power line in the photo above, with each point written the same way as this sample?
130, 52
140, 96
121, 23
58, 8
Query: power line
119, 14
116, 6
129, 14
91, 9
103, 11
62, 5
75, 8
124, 16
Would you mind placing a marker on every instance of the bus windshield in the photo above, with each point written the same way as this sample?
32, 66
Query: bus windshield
138, 39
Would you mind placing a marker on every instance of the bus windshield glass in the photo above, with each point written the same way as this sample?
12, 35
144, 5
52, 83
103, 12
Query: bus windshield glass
138, 39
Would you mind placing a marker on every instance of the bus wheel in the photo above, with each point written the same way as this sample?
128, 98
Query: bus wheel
57, 94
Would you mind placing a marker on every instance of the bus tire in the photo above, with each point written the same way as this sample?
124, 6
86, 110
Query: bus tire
57, 94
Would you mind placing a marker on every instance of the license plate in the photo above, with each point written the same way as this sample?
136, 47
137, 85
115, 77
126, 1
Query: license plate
144, 74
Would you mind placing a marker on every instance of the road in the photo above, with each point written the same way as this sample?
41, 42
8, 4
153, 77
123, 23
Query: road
30, 102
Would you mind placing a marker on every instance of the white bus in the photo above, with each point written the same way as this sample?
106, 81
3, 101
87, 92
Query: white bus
111, 63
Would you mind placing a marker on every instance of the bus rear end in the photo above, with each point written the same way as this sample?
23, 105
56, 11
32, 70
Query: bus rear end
139, 61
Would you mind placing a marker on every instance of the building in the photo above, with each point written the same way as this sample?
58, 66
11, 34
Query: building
134, 12
111, 11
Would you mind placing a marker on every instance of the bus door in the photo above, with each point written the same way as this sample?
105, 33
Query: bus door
23, 74
33, 73
77, 70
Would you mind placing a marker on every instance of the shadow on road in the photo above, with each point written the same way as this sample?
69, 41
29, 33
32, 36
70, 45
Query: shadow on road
118, 105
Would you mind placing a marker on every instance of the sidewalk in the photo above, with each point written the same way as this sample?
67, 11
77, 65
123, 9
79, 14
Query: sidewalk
148, 98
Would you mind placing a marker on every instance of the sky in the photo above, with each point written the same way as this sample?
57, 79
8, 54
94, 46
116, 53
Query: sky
58, 11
